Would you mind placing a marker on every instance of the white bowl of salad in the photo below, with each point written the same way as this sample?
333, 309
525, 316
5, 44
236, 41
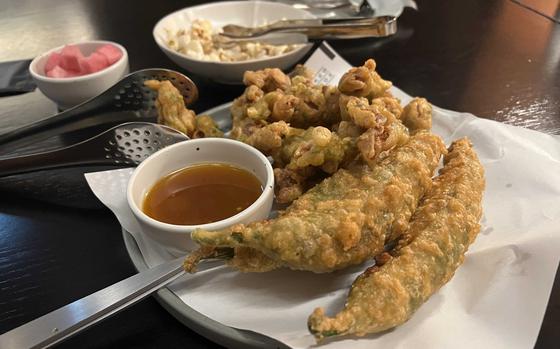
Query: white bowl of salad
189, 37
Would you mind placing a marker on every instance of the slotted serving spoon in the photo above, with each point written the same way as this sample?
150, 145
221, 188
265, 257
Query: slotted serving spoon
127, 100
127, 144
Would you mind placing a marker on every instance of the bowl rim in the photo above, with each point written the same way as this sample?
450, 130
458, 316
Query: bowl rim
41, 77
268, 187
217, 4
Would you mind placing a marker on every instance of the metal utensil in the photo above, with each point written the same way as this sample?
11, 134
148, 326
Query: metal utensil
321, 28
123, 145
332, 8
127, 100
269, 39
361, 9
320, 4
74, 317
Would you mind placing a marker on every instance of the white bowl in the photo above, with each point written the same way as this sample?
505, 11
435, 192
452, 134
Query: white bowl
246, 13
68, 92
176, 238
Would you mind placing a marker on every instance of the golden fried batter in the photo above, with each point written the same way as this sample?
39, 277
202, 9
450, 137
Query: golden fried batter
173, 112
417, 115
363, 82
171, 107
250, 260
347, 129
375, 143
289, 184
392, 104
300, 157
273, 96
316, 146
440, 232
268, 80
315, 105
268, 139
206, 127
345, 219
284, 107
240, 105
366, 115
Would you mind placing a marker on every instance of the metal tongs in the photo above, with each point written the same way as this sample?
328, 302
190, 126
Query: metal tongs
320, 28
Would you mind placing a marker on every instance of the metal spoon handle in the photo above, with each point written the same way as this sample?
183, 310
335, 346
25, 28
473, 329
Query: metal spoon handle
47, 127
69, 156
74, 317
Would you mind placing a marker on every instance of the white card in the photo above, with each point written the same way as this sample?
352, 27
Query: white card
327, 65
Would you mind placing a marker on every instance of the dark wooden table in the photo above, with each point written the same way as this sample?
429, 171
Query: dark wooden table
497, 59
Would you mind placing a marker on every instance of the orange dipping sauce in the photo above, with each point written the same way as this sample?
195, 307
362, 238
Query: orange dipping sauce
201, 194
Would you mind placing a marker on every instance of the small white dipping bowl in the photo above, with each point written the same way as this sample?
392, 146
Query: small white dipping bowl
176, 238
245, 13
68, 92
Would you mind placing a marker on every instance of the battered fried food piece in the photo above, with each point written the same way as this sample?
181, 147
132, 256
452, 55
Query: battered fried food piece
173, 112
312, 105
297, 101
345, 219
171, 107
284, 107
240, 105
269, 138
346, 129
375, 143
288, 185
417, 115
316, 146
244, 127
300, 157
390, 103
192, 260
366, 115
383, 131
241, 258
249, 260
441, 230
206, 127
363, 82
268, 79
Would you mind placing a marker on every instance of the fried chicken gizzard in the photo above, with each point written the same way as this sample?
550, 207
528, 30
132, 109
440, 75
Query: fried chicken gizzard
276, 110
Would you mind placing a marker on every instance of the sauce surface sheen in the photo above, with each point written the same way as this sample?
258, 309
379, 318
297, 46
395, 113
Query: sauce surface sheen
201, 194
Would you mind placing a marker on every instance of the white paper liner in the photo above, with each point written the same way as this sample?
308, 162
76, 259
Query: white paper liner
497, 298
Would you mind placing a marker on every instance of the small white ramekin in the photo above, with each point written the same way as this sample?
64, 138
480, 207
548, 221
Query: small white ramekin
68, 92
176, 238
